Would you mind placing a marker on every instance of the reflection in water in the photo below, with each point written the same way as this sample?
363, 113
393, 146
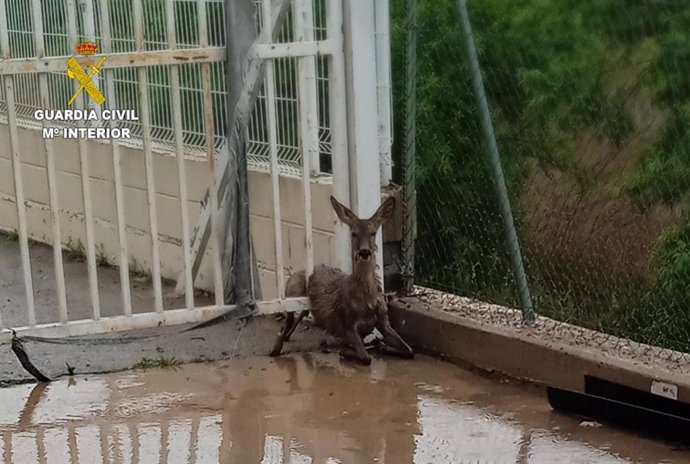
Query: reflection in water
451, 430
298, 410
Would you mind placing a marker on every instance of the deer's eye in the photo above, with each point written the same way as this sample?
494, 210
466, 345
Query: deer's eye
354, 235
373, 234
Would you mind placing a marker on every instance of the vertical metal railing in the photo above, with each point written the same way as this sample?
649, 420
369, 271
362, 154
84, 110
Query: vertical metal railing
9, 85
338, 110
85, 172
384, 89
409, 150
270, 100
308, 121
179, 157
109, 77
211, 154
512, 243
144, 116
48, 145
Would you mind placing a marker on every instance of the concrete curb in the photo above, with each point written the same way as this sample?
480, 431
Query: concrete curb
518, 353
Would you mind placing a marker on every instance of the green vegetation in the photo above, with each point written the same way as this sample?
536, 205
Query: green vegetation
75, 250
157, 363
591, 105
11, 235
101, 256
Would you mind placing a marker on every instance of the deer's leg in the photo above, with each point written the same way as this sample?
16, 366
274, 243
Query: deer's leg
354, 348
392, 338
301, 316
278, 346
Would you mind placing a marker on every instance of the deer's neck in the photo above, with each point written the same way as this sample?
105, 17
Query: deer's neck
365, 277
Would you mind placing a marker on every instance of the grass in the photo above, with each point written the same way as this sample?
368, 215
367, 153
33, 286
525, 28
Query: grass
137, 271
11, 235
75, 250
101, 256
161, 362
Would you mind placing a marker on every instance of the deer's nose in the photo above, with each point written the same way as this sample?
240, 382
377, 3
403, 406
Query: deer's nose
364, 254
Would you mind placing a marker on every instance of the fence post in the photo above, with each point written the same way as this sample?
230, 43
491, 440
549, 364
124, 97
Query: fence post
240, 36
409, 197
512, 243
362, 112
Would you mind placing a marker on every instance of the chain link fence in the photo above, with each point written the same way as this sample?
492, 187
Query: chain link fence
590, 103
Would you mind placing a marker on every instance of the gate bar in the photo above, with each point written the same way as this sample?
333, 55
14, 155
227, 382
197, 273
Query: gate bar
211, 155
50, 167
383, 88
84, 161
148, 159
270, 99
117, 169
179, 157
309, 121
338, 110
17, 172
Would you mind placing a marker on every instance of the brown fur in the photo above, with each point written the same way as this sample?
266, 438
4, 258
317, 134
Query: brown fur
349, 307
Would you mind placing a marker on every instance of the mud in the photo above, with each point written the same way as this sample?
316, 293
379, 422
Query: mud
304, 408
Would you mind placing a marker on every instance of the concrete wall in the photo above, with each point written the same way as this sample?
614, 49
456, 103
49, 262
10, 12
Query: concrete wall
168, 208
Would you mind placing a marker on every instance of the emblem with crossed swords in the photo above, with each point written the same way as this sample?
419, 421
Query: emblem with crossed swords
76, 71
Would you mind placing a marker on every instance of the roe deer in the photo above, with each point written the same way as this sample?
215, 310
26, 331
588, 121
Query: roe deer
349, 307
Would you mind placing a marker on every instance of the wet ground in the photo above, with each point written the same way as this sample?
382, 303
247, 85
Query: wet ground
303, 408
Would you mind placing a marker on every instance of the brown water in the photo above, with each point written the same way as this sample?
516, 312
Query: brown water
308, 408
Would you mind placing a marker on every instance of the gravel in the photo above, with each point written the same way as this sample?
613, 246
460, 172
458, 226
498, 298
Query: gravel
550, 330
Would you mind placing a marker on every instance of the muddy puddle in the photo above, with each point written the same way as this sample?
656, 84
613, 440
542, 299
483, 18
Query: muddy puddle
306, 408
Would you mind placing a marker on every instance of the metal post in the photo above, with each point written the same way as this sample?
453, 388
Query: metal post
383, 88
109, 78
87, 15
513, 245
338, 120
44, 92
147, 139
238, 43
9, 86
409, 197
186, 280
211, 155
362, 111
270, 91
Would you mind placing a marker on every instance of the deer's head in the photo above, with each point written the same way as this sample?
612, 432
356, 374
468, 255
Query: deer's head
363, 231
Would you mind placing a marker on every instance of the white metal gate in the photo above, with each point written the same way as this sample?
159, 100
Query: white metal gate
165, 59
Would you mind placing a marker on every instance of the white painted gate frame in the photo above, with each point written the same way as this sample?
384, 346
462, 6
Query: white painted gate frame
355, 116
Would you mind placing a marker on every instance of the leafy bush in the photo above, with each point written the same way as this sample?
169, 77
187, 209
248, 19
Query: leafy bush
556, 72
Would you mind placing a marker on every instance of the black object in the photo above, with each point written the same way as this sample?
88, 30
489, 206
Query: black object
23, 357
671, 423
615, 391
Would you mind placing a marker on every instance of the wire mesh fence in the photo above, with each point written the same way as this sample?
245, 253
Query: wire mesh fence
590, 105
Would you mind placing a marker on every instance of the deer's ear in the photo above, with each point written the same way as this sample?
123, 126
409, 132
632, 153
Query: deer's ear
343, 212
384, 212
